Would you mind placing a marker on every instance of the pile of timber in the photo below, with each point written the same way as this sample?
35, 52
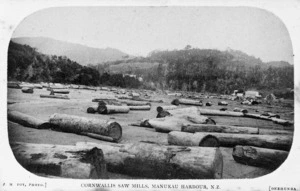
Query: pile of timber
186, 102
27, 90
27, 120
261, 157
67, 161
54, 96
280, 142
96, 128
143, 160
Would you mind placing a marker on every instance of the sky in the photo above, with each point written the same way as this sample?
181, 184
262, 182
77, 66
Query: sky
140, 30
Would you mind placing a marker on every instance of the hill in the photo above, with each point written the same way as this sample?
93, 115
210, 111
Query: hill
83, 55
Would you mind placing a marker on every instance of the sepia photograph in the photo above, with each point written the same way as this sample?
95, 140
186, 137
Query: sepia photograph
99, 94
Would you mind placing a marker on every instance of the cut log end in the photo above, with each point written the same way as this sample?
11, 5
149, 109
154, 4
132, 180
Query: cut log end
115, 131
209, 141
91, 110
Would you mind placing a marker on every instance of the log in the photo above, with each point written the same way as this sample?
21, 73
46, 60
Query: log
92, 109
27, 120
27, 90
142, 123
184, 111
268, 118
123, 96
134, 103
65, 161
222, 103
109, 109
54, 96
143, 160
60, 91
280, 142
220, 113
165, 107
140, 107
76, 124
187, 102
174, 123
261, 157
274, 132
108, 102
192, 139
240, 110
193, 128
148, 100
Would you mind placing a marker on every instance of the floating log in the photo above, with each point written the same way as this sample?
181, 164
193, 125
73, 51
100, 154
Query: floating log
109, 109
240, 110
140, 107
143, 159
174, 123
76, 124
92, 109
282, 121
60, 91
108, 102
192, 139
165, 107
54, 96
261, 157
61, 160
184, 111
222, 103
220, 113
15, 85
187, 102
27, 120
123, 96
193, 128
274, 132
134, 103
27, 90
268, 118
280, 142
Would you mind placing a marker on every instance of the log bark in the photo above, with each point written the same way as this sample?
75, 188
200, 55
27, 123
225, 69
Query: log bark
27, 90
220, 113
192, 139
27, 120
274, 132
174, 123
280, 142
143, 160
134, 103
109, 109
60, 91
55, 96
165, 107
261, 157
61, 160
187, 102
193, 128
76, 124
140, 107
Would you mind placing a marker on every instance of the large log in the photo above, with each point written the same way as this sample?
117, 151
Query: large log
142, 123
280, 142
27, 120
274, 132
134, 103
109, 109
192, 139
185, 111
61, 160
92, 110
76, 124
174, 123
261, 157
108, 102
143, 160
220, 113
187, 102
165, 107
55, 96
193, 128
269, 118
140, 107
27, 90
60, 91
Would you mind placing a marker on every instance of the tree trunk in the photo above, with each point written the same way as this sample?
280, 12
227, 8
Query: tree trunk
140, 107
60, 91
61, 160
192, 139
193, 128
261, 157
76, 124
220, 113
187, 102
109, 109
174, 123
174, 162
26, 120
134, 103
280, 142
165, 107
55, 96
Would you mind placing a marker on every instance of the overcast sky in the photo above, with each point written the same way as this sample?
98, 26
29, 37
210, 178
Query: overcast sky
139, 30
